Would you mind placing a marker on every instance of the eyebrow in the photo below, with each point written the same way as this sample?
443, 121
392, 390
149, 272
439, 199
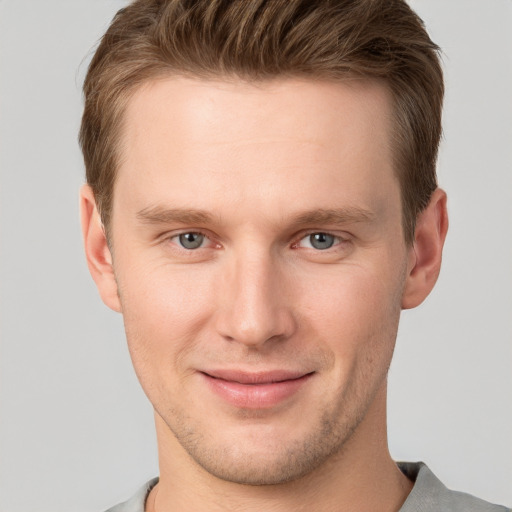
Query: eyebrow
162, 215
334, 216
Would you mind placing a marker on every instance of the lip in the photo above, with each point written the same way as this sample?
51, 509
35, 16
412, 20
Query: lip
255, 390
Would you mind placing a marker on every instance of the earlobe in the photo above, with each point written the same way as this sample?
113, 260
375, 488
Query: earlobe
99, 258
426, 253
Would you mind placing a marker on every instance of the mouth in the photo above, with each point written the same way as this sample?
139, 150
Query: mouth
255, 390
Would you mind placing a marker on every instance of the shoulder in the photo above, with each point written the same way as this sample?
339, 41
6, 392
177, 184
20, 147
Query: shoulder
137, 502
429, 494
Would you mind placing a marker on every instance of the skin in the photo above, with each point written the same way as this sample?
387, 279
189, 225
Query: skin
257, 169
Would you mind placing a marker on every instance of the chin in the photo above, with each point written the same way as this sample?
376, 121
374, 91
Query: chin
261, 468
263, 455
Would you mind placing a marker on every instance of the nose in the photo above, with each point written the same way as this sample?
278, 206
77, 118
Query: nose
254, 301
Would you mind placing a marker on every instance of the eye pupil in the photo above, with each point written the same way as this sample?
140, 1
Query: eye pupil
191, 240
321, 240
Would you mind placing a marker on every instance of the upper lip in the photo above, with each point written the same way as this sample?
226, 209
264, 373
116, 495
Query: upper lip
255, 377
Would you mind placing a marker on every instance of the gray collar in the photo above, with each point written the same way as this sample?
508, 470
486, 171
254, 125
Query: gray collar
427, 495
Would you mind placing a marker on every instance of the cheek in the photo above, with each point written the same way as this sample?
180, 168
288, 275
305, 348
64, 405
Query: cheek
164, 309
164, 296
353, 309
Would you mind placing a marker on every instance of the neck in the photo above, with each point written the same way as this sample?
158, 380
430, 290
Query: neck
361, 476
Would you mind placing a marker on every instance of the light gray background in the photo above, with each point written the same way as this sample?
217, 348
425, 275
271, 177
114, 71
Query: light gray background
76, 432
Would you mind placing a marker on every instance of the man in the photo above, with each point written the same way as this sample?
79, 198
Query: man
261, 204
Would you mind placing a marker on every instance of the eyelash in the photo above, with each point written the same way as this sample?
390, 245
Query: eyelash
338, 240
178, 235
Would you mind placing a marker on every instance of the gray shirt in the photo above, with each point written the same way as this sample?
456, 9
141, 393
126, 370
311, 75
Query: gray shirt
427, 495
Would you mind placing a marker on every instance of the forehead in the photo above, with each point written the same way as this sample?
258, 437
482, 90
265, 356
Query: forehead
229, 138
197, 107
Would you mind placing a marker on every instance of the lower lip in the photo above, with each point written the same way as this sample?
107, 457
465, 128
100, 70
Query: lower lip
255, 396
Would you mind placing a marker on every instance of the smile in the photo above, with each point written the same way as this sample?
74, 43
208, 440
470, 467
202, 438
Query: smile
260, 390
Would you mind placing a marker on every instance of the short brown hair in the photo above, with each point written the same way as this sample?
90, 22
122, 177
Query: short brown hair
264, 39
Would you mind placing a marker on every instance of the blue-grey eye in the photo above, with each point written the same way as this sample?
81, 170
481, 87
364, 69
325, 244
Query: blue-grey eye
321, 241
191, 240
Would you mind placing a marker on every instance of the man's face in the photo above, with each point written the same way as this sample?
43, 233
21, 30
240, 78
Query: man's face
260, 263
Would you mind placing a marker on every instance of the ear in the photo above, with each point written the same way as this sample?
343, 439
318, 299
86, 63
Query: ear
426, 252
99, 258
